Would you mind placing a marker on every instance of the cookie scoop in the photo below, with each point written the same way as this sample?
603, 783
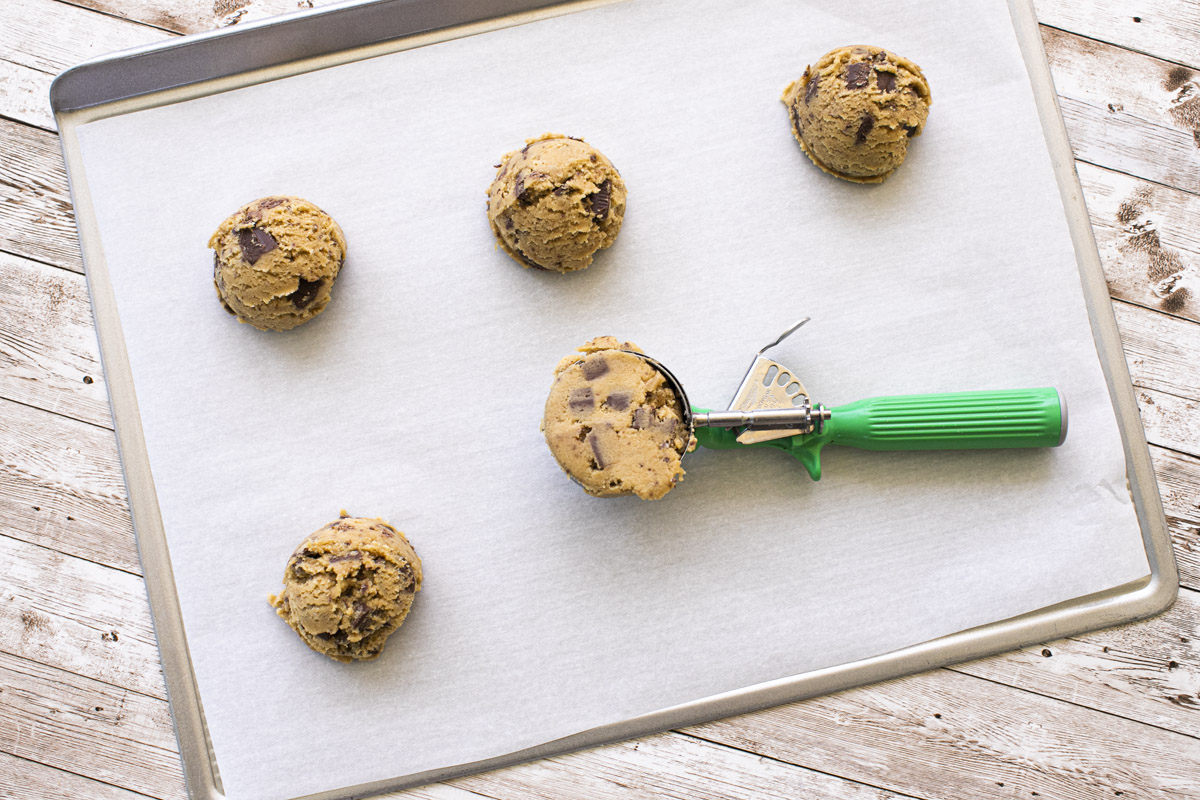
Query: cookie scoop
620, 427
556, 202
275, 262
855, 111
348, 586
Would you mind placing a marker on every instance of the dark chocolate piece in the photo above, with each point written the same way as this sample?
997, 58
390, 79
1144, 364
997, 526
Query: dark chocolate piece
886, 81
601, 200
857, 75
594, 366
594, 442
811, 90
864, 128
361, 614
617, 401
642, 418
306, 293
255, 243
581, 399
910, 130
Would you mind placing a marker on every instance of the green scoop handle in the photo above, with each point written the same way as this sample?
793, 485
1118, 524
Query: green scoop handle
950, 421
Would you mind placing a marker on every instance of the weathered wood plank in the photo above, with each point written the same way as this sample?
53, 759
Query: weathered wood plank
668, 765
22, 779
25, 97
1179, 484
1148, 236
1164, 28
1170, 421
61, 487
36, 217
80, 617
172, 15
50, 36
1163, 352
89, 728
1144, 120
946, 735
49, 357
1144, 671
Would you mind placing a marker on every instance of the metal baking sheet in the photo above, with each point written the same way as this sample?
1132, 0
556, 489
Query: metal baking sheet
216, 63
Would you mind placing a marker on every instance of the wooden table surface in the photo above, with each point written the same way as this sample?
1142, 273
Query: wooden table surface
1112, 714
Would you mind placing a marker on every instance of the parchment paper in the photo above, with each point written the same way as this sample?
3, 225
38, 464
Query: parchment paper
417, 395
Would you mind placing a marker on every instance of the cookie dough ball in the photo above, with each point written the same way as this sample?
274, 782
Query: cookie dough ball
614, 424
855, 111
555, 202
276, 260
348, 586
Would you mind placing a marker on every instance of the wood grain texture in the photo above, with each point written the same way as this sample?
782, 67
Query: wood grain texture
1147, 123
87, 727
61, 487
77, 616
1148, 236
49, 357
1179, 483
1162, 351
25, 779
1167, 28
37, 220
986, 740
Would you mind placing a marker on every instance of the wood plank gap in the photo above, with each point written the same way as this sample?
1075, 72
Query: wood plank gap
96, 425
26, 124
688, 734
1055, 699
143, 23
1141, 178
1124, 47
40, 262
69, 555
122, 689
79, 775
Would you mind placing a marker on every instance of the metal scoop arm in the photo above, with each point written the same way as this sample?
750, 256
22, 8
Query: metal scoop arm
950, 421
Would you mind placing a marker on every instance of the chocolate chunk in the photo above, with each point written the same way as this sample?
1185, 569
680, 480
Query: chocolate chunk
594, 442
618, 401
353, 555
910, 130
857, 75
255, 243
594, 366
864, 127
581, 400
524, 192
886, 81
601, 200
409, 580
811, 90
526, 260
796, 120
508, 223
361, 614
306, 293
592, 158
880, 57
642, 418
561, 190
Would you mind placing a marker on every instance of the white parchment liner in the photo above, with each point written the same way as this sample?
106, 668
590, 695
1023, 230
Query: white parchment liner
417, 395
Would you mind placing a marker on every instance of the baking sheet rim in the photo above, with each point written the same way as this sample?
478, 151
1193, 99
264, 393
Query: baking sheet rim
1130, 602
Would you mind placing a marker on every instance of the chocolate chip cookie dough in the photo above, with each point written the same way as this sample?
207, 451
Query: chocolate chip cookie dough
614, 424
856, 109
555, 202
348, 586
276, 260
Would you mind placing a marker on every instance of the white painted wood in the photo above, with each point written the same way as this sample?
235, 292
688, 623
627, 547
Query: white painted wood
23, 779
1148, 236
1163, 352
77, 616
36, 217
86, 727
49, 357
61, 487
1179, 484
1127, 111
1169, 29
946, 736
